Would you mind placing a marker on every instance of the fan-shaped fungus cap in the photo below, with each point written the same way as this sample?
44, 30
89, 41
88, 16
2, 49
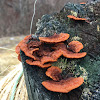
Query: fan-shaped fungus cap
76, 18
59, 46
55, 38
57, 53
69, 54
54, 73
37, 63
17, 49
27, 52
83, 3
52, 57
33, 44
36, 49
63, 86
75, 46
28, 46
46, 59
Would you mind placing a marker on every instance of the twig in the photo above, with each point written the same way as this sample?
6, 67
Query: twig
32, 18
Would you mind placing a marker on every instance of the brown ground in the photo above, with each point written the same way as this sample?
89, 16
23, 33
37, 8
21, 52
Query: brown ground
8, 58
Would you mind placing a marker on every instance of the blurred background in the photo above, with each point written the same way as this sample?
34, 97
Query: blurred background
15, 15
15, 19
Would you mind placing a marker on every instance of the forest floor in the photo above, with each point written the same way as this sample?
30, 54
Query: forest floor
8, 57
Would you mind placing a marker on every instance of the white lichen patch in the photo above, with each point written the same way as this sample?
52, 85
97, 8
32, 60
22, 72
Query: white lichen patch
76, 38
91, 8
98, 28
86, 93
84, 74
74, 13
81, 72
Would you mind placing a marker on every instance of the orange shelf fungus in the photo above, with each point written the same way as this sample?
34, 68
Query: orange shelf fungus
46, 59
59, 46
55, 38
48, 49
54, 73
69, 54
28, 48
25, 40
33, 44
75, 46
37, 63
27, 51
51, 57
76, 18
19, 58
56, 54
83, 3
63, 86
17, 49
36, 49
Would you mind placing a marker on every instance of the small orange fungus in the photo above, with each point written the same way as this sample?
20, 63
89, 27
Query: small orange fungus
75, 46
19, 58
76, 18
37, 63
54, 73
83, 3
55, 38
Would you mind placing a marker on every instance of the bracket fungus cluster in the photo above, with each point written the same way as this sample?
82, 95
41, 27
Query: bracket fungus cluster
63, 86
45, 50
58, 84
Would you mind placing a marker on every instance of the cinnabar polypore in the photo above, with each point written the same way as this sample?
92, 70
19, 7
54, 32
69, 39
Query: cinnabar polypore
37, 63
55, 38
28, 48
75, 46
76, 18
25, 40
40, 56
52, 57
41, 53
63, 86
68, 54
83, 3
54, 73
19, 58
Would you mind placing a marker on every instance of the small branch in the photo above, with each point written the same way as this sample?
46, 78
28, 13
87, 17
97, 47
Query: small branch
32, 18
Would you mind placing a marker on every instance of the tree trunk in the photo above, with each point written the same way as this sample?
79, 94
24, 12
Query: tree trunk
87, 67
